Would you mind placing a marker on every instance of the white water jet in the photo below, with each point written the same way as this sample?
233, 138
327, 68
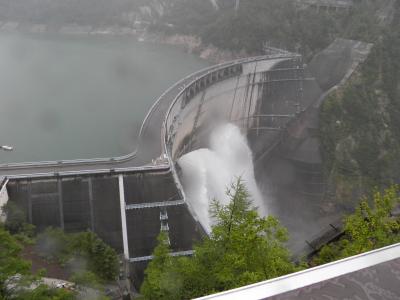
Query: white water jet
208, 173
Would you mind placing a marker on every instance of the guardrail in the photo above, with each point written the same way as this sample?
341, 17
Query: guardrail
142, 169
181, 85
214, 68
116, 159
273, 288
164, 134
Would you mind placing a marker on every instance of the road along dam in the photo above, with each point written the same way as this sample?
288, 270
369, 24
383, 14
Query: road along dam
128, 200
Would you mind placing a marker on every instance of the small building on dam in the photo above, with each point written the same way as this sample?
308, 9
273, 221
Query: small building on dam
128, 200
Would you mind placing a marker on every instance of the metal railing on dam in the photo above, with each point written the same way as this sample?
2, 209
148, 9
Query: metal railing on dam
249, 81
137, 158
127, 200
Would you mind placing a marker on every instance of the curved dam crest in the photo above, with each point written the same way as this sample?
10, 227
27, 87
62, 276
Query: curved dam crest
138, 201
81, 97
272, 100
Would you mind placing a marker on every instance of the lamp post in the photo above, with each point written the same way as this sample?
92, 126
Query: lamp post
6, 148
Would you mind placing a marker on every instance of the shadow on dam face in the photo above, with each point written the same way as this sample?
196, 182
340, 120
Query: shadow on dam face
274, 102
93, 203
264, 101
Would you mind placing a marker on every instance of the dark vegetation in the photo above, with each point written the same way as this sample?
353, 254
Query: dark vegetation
244, 248
83, 253
360, 124
279, 23
369, 227
276, 22
359, 133
11, 264
88, 260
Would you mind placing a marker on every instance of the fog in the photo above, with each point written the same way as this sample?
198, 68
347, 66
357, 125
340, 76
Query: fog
82, 97
313, 86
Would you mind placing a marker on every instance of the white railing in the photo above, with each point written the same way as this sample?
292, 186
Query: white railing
3, 198
302, 279
164, 134
192, 78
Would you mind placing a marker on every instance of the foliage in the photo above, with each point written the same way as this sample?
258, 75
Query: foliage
160, 282
16, 222
360, 124
243, 248
86, 278
10, 262
280, 23
102, 260
367, 228
43, 292
52, 244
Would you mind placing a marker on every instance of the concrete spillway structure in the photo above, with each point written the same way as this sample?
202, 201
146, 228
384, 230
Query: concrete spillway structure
128, 200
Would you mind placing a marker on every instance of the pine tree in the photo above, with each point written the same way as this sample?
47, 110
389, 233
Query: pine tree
159, 280
243, 248
367, 228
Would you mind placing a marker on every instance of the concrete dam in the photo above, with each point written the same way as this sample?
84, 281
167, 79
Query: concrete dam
128, 200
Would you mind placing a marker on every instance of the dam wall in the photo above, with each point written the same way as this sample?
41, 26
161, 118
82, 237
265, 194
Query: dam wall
74, 204
127, 202
128, 207
238, 94
292, 174
93, 202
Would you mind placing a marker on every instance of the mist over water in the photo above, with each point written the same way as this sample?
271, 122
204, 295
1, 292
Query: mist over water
67, 97
208, 173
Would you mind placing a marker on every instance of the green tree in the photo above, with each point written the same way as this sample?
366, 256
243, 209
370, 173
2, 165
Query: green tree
160, 281
242, 248
103, 259
10, 262
16, 222
55, 245
43, 292
359, 123
87, 278
367, 228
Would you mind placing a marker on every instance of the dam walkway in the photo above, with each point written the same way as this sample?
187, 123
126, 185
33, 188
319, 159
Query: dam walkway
150, 146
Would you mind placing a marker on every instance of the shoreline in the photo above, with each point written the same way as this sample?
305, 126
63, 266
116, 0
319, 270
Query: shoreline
191, 44
194, 45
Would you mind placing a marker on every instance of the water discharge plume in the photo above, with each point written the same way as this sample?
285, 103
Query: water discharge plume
207, 173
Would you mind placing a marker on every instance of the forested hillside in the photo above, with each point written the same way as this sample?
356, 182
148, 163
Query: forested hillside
360, 127
279, 23
360, 123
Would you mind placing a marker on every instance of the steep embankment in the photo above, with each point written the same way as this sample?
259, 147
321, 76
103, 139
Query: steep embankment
278, 23
215, 29
360, 123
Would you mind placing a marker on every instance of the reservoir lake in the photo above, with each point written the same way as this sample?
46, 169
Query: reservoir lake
75, 97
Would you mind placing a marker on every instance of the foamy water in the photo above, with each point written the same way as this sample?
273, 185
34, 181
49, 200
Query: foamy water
207, 173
